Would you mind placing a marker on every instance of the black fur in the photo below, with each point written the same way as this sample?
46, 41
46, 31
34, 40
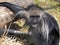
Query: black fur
14, 8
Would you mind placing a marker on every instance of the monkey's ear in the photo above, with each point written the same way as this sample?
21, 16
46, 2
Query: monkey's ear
14, 8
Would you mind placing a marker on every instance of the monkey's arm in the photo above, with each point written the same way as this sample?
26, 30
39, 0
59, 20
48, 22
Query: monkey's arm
12, 7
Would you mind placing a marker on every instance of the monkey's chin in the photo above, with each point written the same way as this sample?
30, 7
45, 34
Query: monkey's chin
34, 25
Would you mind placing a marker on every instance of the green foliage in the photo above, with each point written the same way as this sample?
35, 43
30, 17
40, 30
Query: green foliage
36, 2
46, 2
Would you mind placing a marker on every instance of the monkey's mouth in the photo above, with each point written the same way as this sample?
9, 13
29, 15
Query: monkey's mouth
34, 23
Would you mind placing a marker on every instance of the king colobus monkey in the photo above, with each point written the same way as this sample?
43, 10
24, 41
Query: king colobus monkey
44, 29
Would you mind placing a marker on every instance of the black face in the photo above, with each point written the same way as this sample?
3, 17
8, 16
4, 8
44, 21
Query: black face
34, 15
34, 19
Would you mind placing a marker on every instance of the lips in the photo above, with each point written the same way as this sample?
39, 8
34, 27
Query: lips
34, 23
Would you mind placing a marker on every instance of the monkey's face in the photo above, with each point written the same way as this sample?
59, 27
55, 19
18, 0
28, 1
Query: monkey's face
34, 16
34, 19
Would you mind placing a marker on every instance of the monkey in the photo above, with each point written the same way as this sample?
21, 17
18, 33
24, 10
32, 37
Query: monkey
43, 29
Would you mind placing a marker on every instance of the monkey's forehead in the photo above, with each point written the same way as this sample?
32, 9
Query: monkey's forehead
34, 12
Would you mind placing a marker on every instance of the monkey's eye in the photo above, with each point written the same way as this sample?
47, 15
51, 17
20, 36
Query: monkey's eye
35, 16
